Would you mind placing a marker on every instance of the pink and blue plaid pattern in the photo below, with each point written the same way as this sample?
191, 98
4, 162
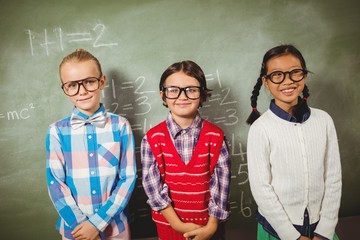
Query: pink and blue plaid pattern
91, 173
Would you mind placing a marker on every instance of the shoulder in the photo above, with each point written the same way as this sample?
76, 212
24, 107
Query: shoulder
158, 128
318, 113
117, 119
212, 127
263, 120
64, 122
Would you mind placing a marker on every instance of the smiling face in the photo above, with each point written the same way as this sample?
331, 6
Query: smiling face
286, 93
85, 101
183, 109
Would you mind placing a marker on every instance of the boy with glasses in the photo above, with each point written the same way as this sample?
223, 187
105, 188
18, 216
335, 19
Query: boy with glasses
185, 160
90, 160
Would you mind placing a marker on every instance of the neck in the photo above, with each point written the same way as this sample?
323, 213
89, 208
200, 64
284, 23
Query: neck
184, 122
289, 108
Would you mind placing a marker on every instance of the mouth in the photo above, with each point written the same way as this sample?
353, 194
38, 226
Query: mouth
288, 91
182, 104
83, 99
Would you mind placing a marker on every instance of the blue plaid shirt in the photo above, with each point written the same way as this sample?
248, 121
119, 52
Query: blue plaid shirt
91, 172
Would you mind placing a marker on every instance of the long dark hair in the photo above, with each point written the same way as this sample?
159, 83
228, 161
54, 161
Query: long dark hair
191, 69
276, 52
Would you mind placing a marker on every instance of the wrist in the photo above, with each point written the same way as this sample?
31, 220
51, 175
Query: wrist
212, 224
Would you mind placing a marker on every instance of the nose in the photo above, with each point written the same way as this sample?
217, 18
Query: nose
287, 78
183, 94
82, 88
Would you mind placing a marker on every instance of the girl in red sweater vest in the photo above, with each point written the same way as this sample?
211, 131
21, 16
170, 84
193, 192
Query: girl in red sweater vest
185, 160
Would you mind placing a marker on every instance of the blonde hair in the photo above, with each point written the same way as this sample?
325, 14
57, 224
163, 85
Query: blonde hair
80, 55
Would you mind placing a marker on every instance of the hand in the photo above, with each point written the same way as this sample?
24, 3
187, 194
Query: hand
203, 233
86, 231
186, 227
316, 238
304, 238
175, 222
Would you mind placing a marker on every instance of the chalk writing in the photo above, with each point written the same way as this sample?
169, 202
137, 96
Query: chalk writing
96, 37
228, 115
21, 114
137, 105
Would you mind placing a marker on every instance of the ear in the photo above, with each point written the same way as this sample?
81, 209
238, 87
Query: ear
305, 79
102, 82
265, 82
162, 98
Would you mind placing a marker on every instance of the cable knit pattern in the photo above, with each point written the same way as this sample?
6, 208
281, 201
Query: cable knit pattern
293, 166
188, 184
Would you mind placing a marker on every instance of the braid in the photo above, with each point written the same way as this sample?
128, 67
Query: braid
302, 106
305, 93
255, 114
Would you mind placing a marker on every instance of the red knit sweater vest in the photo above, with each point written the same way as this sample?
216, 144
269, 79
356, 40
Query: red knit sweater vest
189, 185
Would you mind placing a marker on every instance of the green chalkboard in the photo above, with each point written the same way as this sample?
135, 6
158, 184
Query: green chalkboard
135, 41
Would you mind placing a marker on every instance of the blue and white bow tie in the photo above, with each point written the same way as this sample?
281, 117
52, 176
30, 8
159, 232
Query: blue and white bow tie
98, 120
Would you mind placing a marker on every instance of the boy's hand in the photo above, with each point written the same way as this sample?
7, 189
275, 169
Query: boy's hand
85, 231
203, 233
186, 227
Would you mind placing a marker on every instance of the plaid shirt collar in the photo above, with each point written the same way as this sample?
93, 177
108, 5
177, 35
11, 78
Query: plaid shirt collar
84, 116
174, 128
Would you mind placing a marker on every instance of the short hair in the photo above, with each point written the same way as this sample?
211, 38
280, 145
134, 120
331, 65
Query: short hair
80, 55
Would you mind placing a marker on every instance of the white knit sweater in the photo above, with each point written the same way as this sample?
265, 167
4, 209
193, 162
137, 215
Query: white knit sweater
293, 166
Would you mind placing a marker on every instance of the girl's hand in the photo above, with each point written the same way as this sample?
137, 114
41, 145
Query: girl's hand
316, 238
85, 231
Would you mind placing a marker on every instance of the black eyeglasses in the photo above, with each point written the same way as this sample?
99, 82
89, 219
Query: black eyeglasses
173, 92
72, 88
295, 75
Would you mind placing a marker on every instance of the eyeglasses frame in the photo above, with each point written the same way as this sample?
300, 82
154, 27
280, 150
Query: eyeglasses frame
182, 90
80, 83
268, 76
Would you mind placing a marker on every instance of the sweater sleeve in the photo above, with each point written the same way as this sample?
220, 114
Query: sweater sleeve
332, 176
258, 153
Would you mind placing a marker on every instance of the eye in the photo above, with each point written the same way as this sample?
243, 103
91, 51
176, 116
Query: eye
192, 89
89, 82
71, 85
276, 74
172, 90
297, 72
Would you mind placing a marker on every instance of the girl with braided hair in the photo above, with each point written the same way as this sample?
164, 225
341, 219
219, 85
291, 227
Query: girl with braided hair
293, 155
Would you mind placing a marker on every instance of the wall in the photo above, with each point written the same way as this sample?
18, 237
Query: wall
135, 41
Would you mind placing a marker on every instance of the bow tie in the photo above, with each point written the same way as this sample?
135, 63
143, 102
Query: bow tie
98, 120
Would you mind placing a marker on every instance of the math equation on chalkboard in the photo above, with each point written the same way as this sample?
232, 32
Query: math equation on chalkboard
57, 39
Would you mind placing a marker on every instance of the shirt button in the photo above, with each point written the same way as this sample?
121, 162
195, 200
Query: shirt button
91, 154
93, 192
52, 182
96, 209
90, 137
92, 172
